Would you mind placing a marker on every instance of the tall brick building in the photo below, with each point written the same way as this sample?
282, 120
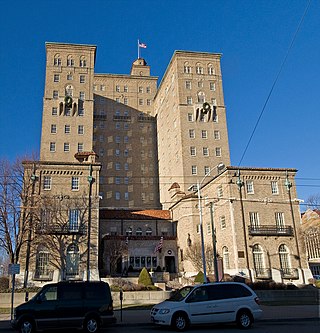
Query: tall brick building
118, 156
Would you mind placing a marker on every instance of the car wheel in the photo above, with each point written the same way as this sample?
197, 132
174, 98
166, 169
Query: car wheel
244, 319
26, 326
180, 322
91, 325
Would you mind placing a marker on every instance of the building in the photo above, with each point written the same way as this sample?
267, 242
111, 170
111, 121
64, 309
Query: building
118, 155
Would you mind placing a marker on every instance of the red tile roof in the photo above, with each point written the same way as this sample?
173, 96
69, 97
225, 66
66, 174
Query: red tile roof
135, 214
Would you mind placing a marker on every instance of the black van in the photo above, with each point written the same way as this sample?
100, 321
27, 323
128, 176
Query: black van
84, 305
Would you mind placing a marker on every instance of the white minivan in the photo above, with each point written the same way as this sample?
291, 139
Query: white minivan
220, 302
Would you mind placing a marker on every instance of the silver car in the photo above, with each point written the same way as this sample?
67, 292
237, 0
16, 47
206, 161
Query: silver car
221, 302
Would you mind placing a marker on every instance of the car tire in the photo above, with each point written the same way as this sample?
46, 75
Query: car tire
180, 322
27, 326
91, 325
244, 319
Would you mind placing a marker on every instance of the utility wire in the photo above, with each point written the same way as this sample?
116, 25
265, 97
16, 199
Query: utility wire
276, 79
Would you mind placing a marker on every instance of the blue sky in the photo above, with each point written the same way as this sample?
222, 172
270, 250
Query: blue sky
253, 36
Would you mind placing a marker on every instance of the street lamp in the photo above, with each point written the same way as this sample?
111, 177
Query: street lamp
219, 167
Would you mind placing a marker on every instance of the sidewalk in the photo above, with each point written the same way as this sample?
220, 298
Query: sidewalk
270, 313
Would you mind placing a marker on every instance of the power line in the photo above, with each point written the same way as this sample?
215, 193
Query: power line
276, 80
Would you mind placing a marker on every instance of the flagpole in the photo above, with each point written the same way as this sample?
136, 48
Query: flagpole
138, 50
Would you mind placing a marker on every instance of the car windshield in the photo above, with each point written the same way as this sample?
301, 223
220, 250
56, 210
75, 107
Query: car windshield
180, 294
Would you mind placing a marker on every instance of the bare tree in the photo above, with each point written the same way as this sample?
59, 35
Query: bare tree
15, 197
313, 201
194, 255
114, 249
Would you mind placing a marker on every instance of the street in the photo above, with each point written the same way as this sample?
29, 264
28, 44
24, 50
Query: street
292, 326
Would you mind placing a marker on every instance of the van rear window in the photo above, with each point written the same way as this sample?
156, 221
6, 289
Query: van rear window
96, 292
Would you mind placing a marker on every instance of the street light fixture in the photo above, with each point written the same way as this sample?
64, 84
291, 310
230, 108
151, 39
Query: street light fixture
219, 167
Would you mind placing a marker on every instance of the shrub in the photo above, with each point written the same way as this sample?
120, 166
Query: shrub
4, 283
199, 278
145, 278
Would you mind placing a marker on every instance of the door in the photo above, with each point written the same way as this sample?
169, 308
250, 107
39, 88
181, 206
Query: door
45, 306
199, 306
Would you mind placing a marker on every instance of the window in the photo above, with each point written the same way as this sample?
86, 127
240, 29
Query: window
200, 84
126, 166
199, 69
148, 101
189, 100
66, 147
82, 95
67, 129
204, 134
216, 135
212, 86
56, 78
118, 100
284, 257
211, 70
219, 191
42, 265
140, 101
222, 222
187, 69
258, 260
55, 94
139, 232
117, 180
126, 139
83, 62
80, 147
70, 61
274, 187
225, 257
52, 147
69, 77
190, 116
215, 118
80, 112
125, 89
126, 153
125, 101
193, 151
47, 180
80, 129
82, 79
74, 219
193, 169
57, 61
72, 261
117, 166
192, 133
75, 183
126, 196
117, 152
201, 98
53, 129
148, 90
126, 180
129, 231
249, 187
205, 151
214, 101
279, 216
118, 139
69, 90
206, 170
140, 89
117, 88
117, 195
218, 151
54, 111
254, 219
188, 85
67, 111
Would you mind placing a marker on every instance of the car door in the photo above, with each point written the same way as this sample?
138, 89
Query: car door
70, 305
45, 306
199, 306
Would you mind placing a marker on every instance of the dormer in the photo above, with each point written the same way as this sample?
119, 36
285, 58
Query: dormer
140, 68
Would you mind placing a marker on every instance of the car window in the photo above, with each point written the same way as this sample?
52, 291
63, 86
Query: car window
198, 295
49, 294
70, 292
224, 291
180, 294
96, 291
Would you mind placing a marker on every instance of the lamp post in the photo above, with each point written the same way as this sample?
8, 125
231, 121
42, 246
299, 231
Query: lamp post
90, 181
219, 167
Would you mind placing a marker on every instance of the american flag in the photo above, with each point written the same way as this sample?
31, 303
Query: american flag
158, 246
143, 45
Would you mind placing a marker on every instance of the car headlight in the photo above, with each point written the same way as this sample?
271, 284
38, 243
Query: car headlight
164, 311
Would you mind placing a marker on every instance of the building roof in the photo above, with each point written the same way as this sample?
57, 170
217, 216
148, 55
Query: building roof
151, 214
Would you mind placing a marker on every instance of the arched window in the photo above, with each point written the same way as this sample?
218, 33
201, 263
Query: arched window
69, 90
148, 231
201, 97
199, 68
83, 62
225, 257
70, 61
258, 260
57, 60
129, 231
211, 70
42, 262
187, 68
72, 260
139, 232
284, 256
